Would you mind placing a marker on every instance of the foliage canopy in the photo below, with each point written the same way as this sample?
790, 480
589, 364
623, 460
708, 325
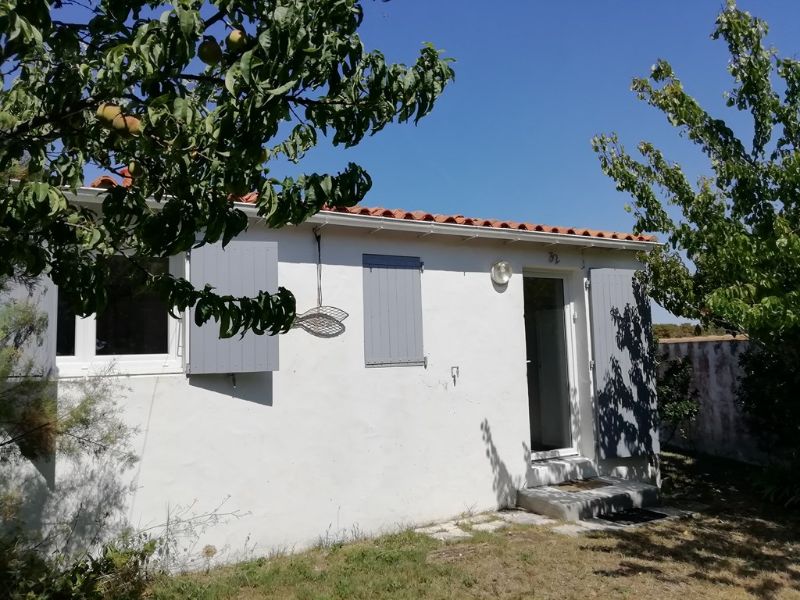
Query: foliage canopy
739, 227
197, 99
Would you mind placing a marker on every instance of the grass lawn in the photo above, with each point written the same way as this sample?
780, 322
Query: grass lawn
737, 548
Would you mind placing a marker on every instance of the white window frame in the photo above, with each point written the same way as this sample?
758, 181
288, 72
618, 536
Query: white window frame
568, 277
85, 362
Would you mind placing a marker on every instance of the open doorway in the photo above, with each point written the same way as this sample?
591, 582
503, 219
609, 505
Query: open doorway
548, 373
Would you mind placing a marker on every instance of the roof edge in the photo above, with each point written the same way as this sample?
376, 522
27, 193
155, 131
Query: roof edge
343, 218
467, 232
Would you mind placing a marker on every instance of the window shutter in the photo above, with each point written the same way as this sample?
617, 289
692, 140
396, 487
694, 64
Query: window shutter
624, 375
392, 311
242, 268
44, 296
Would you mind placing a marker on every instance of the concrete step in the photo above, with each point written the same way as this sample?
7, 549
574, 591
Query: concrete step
559, 470
587, 499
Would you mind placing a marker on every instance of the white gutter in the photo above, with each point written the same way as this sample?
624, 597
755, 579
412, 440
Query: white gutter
424, 228
471, 231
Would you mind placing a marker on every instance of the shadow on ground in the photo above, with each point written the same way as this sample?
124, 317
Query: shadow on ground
736, 540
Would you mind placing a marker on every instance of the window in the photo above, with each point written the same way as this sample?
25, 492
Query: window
392, 311
135, 319
65, 331
135, 324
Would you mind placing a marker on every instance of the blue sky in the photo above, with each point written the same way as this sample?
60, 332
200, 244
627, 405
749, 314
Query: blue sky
535, 81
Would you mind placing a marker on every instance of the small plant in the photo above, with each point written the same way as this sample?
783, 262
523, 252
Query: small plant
78, 423
678, 403
780, 484
119, 571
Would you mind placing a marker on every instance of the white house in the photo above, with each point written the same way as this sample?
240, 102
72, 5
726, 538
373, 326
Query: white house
432, 387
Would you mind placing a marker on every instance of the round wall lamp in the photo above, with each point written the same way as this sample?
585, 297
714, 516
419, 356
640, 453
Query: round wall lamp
501, 272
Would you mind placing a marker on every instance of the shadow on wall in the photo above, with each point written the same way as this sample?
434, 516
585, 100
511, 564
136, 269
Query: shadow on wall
251, 387
65, 501
627, 419
505, 485
63, 448
721, 427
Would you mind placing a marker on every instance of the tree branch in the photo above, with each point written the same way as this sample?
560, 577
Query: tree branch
201, 78
213, 19
16, 438
37, 122
83, 26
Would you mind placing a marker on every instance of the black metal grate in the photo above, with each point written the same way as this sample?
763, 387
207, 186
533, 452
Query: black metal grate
633, 516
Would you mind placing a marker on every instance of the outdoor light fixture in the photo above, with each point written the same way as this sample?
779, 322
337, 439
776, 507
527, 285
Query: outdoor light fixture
501, 272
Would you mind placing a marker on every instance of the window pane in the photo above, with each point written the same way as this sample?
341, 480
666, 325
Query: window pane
135, 319
65, 329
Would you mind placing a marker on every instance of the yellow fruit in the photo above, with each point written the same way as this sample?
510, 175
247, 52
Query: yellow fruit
236, 40
126, 125
135, 169
209, 51
263, 156
107, 113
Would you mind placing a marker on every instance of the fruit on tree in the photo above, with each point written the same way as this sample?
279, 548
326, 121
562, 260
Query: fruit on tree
209, 51
107, 113
126, 125
236, 40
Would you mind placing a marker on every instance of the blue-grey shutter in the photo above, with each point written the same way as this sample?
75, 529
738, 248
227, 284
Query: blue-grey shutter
44, 296
242, 268
392, 311
624, 368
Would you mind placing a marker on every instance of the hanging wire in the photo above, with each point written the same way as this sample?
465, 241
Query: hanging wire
321, 321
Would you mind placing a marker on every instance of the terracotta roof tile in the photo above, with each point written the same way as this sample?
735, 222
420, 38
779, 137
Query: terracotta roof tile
494, 223
106, 181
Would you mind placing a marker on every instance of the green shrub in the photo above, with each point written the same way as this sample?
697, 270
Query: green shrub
677, 401
120, 571
683, 330
768, 393
780, 484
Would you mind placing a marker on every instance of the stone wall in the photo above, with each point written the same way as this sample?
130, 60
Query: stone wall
720, 428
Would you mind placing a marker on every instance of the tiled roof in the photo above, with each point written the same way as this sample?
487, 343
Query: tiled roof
106, 181
419, 215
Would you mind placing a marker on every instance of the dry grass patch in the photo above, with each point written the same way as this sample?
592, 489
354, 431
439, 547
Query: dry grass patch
735, 549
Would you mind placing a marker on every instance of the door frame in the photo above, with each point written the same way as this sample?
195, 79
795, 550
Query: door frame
569, 279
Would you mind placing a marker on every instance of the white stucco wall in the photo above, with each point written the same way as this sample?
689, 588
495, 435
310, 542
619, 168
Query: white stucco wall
325, 446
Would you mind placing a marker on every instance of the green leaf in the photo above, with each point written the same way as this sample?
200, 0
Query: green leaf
278, 91
230, 79
191, 131
187, 20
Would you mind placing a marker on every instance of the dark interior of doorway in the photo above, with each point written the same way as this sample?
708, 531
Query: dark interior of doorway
546, 346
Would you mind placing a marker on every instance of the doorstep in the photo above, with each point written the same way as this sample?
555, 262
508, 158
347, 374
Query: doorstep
559, 470
588, 498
